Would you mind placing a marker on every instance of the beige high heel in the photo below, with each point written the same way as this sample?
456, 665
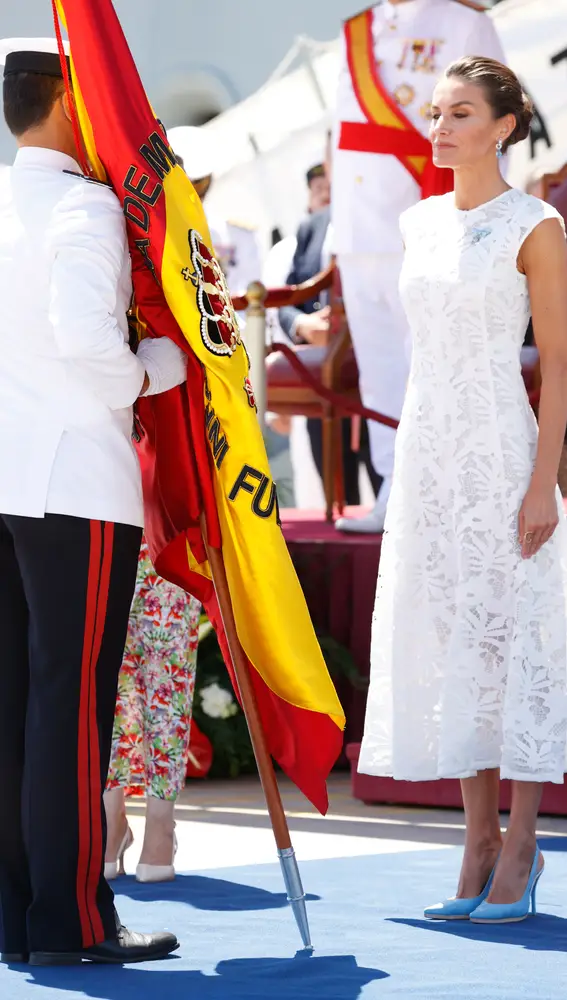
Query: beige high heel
158, 873
112, 869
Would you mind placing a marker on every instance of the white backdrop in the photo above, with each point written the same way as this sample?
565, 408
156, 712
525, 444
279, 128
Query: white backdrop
534, 34
266, 143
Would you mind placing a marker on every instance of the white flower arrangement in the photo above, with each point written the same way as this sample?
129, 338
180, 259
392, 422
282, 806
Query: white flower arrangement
218, 703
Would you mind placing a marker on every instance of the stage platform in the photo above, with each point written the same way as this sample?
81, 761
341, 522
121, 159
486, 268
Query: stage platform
338, 574
432, 794
367, 872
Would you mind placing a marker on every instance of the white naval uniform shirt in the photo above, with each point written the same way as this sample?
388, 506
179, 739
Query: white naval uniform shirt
413, 43
67, 376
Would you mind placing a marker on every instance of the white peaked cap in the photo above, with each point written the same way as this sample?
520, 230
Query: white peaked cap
195, 147
31, 54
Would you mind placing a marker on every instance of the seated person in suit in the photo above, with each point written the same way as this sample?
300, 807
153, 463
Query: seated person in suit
309, 323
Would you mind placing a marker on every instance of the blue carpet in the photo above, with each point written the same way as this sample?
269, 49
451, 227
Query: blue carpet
239, 941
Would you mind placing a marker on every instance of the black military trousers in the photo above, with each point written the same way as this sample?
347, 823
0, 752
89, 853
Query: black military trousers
66, 586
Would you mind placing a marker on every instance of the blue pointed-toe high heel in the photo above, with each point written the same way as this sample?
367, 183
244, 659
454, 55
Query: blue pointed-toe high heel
510, 913
458, 909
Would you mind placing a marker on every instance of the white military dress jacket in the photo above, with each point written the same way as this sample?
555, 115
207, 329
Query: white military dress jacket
413, 43
68, 379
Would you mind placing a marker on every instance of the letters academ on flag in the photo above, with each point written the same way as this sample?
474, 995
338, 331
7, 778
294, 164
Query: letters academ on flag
201, 446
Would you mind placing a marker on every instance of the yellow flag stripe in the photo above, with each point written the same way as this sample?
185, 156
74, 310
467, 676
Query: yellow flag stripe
279, 641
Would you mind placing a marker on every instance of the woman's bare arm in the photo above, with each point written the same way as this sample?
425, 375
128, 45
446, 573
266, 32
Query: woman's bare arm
543, 259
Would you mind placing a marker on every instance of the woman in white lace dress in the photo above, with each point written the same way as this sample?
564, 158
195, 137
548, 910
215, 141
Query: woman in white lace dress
469, 660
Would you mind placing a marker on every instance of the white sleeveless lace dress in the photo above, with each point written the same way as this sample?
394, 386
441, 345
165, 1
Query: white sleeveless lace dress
469, 659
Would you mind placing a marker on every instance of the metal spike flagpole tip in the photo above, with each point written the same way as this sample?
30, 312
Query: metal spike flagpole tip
295, 894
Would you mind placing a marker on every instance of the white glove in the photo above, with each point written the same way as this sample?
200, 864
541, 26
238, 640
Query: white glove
165, 364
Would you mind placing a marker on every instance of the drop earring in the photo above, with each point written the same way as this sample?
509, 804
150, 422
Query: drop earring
499, 148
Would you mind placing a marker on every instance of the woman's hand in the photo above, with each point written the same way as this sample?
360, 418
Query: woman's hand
538, 518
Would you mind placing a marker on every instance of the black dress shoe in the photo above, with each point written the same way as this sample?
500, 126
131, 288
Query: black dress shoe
128, 947
14, 957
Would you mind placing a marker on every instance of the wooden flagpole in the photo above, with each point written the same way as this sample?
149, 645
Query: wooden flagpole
296, 895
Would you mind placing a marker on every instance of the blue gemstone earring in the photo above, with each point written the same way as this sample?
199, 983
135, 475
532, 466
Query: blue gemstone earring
499, 148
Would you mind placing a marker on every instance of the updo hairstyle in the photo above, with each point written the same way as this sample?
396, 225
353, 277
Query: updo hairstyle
502, 90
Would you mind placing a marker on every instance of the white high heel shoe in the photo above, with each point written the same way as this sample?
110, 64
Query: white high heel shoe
158, 873
112, 869
372, 523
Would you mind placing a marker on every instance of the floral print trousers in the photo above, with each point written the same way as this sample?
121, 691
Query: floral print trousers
152, 723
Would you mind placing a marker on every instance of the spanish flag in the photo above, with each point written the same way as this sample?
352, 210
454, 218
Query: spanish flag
201, 446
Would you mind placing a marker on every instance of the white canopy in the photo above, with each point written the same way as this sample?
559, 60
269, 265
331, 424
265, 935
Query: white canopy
534, 35
267, 143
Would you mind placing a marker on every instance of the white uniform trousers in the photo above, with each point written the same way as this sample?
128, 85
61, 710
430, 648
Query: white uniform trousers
380, 338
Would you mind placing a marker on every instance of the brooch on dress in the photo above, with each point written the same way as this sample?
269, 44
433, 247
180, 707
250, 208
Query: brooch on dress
479, 234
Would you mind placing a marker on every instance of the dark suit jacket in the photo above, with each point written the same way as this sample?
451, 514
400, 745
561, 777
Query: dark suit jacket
306, 264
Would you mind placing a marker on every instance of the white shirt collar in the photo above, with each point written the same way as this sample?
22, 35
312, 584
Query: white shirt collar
37, 156
403, 10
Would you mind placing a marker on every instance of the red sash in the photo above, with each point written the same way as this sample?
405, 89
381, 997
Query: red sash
386, 129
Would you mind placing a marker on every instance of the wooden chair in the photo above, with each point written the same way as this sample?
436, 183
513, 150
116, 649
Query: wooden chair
334, 366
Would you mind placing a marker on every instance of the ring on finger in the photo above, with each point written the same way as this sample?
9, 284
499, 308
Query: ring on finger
529, 537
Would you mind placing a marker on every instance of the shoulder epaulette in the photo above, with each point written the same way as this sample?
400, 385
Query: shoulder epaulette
473, 5
85, 177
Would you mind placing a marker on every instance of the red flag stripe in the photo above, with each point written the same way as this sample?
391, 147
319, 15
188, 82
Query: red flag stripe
289, 729
89, 862
83, 768
95, 784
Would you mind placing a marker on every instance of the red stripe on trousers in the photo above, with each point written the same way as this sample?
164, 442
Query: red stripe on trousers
83, 769
95, 866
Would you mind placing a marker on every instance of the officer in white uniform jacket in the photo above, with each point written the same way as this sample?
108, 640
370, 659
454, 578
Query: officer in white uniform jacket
70, 523
411, 43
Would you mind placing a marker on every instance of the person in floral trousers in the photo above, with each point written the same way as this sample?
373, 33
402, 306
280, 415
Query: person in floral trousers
152, 722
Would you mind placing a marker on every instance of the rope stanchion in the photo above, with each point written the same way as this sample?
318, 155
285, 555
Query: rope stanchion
346, 406
341, 404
